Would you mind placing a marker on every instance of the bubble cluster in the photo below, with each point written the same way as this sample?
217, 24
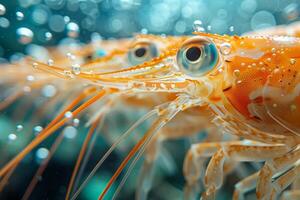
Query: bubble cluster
61, 22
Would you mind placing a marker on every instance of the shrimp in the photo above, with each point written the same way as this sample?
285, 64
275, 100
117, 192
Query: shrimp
250, 85
224, 76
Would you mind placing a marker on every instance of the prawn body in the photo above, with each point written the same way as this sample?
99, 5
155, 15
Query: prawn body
260, 79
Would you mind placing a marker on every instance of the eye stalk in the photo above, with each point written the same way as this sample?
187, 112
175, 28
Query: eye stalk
141, 52
197, 56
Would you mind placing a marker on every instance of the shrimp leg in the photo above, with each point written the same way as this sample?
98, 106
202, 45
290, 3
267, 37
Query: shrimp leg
270, 168
245, 185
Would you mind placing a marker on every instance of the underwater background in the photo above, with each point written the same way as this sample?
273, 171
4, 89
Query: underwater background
28, 27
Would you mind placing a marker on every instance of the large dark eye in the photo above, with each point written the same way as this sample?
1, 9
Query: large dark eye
193, 54
142, 52
197, 56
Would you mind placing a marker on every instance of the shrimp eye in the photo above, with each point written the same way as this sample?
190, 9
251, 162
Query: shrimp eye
142, 52
197, 56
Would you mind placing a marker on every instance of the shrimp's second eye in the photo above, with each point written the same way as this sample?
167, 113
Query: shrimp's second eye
197, 56
142, 52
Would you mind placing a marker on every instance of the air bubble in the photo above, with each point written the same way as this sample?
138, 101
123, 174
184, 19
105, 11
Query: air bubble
2, 9
35, 65
42, 153
236, 73
30, 78
225, 48
72, 29
50, 62
231, 28
197, 26
76, 122
49, 91
76, 69
144, 31
19, 127
68, 114
292, 61
48, 36
71, 56
66, 19
19, 15
37, 130
70, 132
12, 137
4, 22
25, 35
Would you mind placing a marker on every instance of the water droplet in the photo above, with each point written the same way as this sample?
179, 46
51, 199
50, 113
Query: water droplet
2, 9
71, 56
12, 137
292, 61
72, 29
76, 69
19, 127
70, 132
30, 78
42, 153
273, 50
24, 35
35, 65
225, 48
236, 73
197, 26
48, 36
76, 122
4, 22
50, 62
68, 114
209, 27
49, 91
144, 31
66, 19
37, 130
19, 15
